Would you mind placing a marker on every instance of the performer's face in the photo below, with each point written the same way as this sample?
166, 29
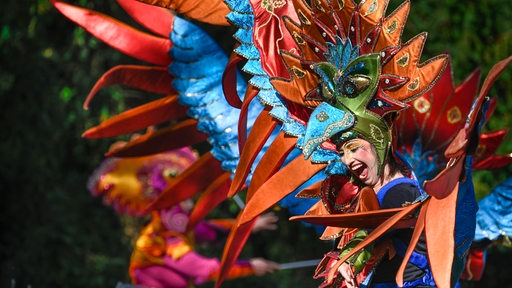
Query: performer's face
361, 159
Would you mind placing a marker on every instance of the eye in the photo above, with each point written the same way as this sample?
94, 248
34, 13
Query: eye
351, 86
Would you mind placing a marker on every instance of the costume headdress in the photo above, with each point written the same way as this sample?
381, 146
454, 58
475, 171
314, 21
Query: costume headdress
131, 184
353, 66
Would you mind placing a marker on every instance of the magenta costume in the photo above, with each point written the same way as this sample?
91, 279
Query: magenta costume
164, 255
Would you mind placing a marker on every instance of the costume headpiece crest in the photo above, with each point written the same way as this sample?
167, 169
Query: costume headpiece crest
353, 69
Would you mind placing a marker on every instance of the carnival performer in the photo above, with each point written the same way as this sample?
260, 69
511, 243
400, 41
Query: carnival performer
346, 74
394, 188
320, 74
165, 252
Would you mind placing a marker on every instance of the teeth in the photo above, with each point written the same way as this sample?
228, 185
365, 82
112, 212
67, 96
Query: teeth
358, 169
355, 167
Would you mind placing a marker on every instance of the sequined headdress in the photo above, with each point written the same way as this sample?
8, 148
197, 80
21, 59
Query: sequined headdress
352, 66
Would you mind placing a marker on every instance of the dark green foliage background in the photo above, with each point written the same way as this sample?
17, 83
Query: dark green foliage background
54, 234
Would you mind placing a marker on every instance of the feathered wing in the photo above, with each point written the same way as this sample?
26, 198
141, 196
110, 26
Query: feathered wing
197, 83
188, 67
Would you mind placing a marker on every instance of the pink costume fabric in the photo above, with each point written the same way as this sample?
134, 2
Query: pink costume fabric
165, 256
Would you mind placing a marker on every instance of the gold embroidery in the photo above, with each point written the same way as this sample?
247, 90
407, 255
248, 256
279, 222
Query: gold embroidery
415, 83
376, 133
422, 105
341, 4
303, 19
454, 115
318, 5
298, 72
322, 116
372, 8
392, 27
403, 61
270, 5
298, 39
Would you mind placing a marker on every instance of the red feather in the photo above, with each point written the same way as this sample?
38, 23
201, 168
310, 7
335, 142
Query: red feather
138, 118
156, 19
169, 138
151, 79
119, 35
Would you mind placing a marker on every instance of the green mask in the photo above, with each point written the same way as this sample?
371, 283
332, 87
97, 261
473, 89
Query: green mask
349, 92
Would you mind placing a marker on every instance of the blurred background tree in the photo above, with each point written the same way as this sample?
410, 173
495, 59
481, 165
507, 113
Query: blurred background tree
54, 234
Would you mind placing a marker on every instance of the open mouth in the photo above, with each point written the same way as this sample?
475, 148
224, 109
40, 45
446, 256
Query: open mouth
361, 171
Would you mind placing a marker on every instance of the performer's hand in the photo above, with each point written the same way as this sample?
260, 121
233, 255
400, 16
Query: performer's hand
346, 272
262, 266
266, 221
